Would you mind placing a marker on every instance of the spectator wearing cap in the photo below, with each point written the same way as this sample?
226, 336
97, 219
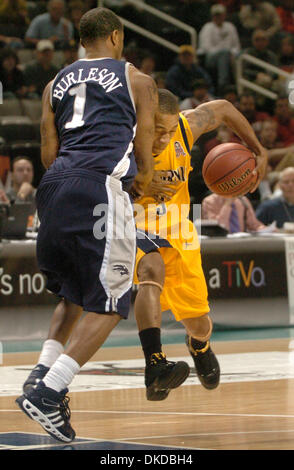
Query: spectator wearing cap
39, 72
181, 76
200, 95
51, 25
219, 41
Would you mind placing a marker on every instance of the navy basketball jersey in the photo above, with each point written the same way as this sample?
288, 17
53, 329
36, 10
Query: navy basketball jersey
95, 118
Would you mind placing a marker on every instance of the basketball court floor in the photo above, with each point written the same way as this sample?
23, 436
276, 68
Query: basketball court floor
253, 408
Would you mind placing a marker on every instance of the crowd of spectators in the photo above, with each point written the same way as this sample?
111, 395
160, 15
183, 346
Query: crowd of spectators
38, 38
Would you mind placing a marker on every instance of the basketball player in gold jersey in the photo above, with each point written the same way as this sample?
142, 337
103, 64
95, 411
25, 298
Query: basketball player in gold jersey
168, 264
165, 265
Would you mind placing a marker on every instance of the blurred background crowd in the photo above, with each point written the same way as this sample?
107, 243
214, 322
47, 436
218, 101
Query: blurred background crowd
38, 38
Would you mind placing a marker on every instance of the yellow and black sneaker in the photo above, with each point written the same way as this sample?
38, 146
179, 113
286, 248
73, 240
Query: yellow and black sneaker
162, 375
206, 363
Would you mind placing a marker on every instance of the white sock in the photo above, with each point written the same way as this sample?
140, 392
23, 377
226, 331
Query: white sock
51, 350
61, 373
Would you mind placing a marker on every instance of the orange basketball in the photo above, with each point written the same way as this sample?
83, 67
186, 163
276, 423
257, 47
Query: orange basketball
227, 170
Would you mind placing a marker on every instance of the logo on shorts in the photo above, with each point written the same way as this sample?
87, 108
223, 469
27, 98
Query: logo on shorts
121, 268
179, 149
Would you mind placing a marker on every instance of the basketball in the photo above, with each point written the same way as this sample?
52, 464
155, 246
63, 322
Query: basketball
227, 170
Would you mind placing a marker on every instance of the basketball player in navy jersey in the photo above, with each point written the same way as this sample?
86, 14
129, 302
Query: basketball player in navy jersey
95, 112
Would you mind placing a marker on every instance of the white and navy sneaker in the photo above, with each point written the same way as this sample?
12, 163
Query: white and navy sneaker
37, 374
50, 409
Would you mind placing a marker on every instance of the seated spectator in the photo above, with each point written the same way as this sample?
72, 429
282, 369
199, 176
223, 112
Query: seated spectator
38, 73
255, 14
279, 209
260, 50
285, 12
282, 114
247, 107
71, 53
224, 135
51, 25
268, 134
14, 21
280, 156
160, 79
11, 77
286, 57
230, 94
184, 72
22, 178
148, 64
219, 41
200, 95
234, 214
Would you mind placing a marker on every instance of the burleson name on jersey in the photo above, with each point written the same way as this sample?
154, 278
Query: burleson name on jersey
108, 80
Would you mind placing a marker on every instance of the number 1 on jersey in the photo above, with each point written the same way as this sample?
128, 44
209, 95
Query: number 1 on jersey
79, 106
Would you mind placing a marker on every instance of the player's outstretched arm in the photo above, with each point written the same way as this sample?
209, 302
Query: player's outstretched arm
209, 116
146, 101
49, 136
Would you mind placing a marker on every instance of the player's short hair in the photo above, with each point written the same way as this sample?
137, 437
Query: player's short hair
168, 103
98, 23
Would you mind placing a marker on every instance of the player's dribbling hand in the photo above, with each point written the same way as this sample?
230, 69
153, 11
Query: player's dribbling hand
261, 167
160, 188
136, 191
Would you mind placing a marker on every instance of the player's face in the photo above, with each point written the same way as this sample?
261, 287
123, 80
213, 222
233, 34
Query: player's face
165, 128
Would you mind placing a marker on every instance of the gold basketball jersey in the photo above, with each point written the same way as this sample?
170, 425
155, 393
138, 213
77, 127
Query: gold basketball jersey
166, 218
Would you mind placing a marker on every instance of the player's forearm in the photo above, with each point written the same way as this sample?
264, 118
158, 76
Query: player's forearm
145, 165
47, 157
240, 126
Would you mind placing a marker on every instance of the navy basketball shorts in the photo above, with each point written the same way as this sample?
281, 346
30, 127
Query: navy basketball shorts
86, 243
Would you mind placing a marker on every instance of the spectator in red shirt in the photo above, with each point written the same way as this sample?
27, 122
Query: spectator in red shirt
282, 115
247, 107
286, 15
